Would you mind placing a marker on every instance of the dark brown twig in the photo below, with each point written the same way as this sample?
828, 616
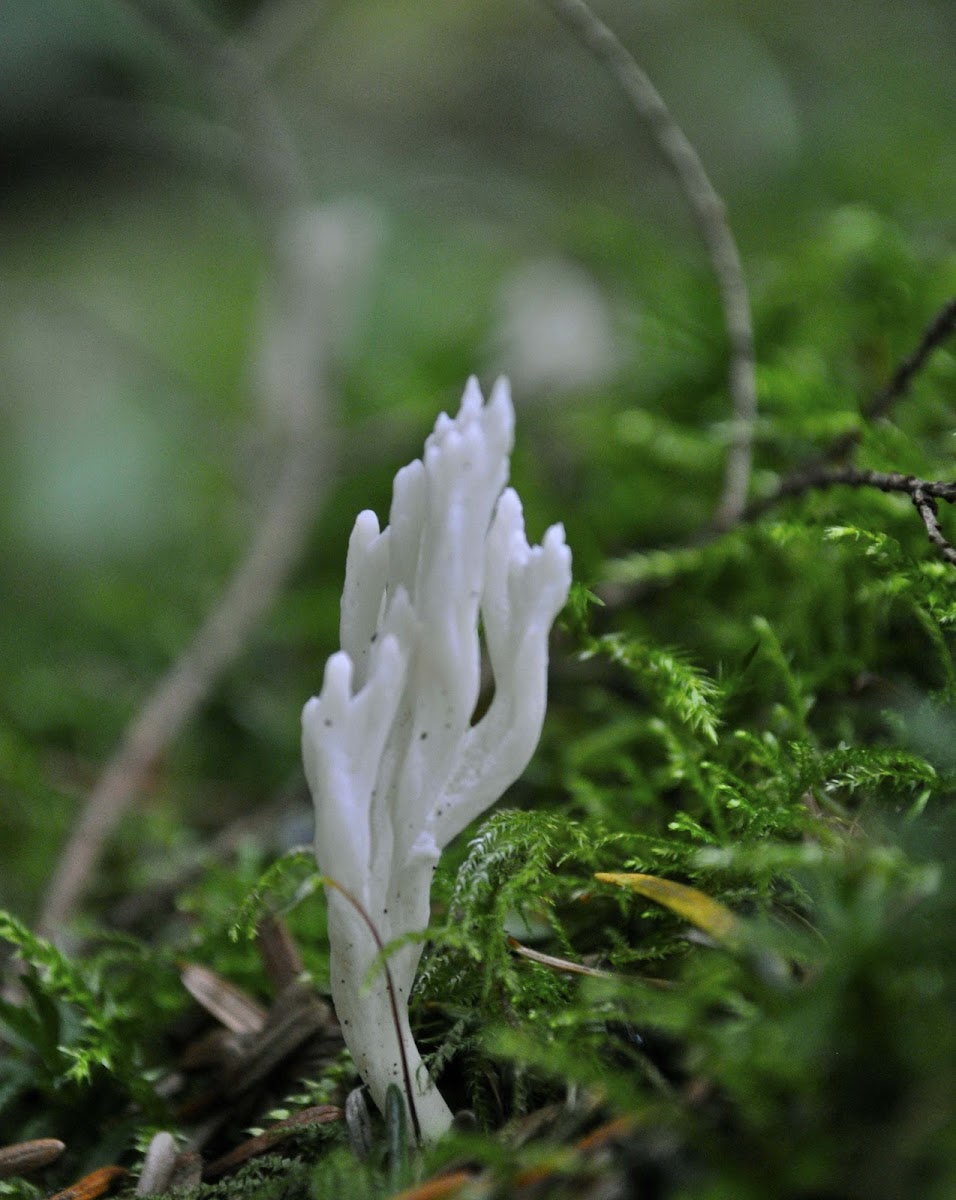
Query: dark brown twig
942, 327
710, 214
886, 481
321, 1114
927, 508
924, 494
819, 471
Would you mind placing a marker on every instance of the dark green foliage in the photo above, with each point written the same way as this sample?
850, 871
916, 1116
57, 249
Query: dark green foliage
75, 1022
269, 1177
226, 903
835, 1076
80, 1059
281, 886
676, 687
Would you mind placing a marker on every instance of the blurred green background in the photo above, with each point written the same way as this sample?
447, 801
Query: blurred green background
488, 203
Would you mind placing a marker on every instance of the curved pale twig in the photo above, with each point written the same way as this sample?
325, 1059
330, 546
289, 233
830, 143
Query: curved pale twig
291, 377
710, 214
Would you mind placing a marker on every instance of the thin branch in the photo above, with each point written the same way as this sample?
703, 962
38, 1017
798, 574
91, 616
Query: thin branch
711, 217
941, 328
928, 510
886, 481
294, 387
820, 472
924, 494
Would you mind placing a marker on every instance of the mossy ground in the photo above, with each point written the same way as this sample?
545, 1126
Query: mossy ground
766, 715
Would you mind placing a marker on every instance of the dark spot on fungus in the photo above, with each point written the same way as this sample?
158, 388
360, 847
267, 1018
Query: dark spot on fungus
327, 722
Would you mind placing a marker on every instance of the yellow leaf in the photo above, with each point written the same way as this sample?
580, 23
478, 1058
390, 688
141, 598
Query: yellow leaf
701, 910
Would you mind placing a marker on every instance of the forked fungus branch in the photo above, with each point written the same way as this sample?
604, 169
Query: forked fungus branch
395, 763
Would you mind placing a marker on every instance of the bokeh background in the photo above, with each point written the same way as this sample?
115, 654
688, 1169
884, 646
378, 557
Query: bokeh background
484, 201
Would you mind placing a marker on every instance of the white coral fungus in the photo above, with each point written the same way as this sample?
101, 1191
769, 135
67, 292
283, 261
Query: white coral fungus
395, 763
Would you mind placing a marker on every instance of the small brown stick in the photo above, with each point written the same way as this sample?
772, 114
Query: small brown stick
887, 481
597, 1139
321, 1114
819, 473
557, 964
573, 968
23, 1157
438, 1188
711, 216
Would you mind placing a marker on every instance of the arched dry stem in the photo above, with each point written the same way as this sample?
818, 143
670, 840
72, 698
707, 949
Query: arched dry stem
710, 214
294, 387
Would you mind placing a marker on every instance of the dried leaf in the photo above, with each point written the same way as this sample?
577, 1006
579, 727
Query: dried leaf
694, 906
438, 1188
222, 999
92, 1186
280, 955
